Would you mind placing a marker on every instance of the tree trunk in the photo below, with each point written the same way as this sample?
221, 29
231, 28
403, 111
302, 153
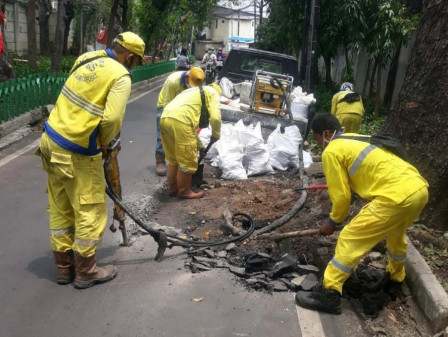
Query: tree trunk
56, 57
69, 15
372, 78
327, 61
43, 18
111, 26
419, 116
378, 90
124, 17
364, 87
304, 51
6, 68
31, 33
392, 76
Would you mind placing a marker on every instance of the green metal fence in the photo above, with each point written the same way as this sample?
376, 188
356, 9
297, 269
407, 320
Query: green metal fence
24, 94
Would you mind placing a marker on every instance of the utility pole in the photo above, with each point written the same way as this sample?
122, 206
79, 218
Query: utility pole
310, 77
255, 20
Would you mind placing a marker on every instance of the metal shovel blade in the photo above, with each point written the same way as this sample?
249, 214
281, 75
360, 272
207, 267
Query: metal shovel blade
198, 176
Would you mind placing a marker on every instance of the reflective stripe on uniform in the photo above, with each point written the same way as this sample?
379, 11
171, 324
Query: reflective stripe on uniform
358, 161
81, 102
340, 266
87, 242
62, 231
396, 257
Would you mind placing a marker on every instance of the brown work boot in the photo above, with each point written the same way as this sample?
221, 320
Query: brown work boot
89, 274
184, 186
160, 164
64, 266
172, 180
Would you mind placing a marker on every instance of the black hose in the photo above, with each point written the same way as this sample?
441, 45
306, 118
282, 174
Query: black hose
174, 240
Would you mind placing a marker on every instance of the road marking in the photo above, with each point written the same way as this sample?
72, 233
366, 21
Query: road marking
310, 323
18, 153
144, 94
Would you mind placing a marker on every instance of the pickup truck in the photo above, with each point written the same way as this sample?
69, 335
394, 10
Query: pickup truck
240, 65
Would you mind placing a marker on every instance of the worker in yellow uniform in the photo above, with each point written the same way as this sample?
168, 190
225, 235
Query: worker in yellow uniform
174, 85
347, 106
86, 117
397, 194
179, 124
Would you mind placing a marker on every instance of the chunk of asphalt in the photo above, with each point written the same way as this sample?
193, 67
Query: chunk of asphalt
298, 280
241, 272
265, 255
309, 282
279, 286
222, 254
221, 264
197, 267
291, 286
230, 247
210, 253
256, 263
202, 259
304, 269
287, 264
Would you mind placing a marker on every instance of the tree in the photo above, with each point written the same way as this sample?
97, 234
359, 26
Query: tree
56, 57
69, 15
419, 115
45, 9
31, 32
6, 69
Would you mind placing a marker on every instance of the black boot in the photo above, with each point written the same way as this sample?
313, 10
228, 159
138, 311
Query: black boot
393, 289
320, 299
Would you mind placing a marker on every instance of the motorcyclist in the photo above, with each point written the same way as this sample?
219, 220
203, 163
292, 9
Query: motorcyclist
209, 57
210, 62
220, 58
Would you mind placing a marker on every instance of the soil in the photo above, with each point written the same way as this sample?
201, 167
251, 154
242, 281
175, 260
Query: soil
269, 197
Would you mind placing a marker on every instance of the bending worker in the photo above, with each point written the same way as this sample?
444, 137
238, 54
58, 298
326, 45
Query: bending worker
174, 85
87, 116
347, 106
397, 194
179, 124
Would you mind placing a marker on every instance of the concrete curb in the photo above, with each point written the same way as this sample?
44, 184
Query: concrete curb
19, 127
426, 290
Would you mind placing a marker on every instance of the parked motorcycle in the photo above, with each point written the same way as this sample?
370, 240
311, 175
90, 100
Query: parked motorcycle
210, 72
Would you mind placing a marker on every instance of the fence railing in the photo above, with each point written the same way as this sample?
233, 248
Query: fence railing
24, 94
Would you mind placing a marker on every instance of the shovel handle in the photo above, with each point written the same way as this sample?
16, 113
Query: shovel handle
205, 151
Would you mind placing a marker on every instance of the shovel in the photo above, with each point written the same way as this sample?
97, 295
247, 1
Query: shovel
199, 174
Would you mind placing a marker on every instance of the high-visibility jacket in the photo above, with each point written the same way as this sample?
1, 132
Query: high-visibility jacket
338, 107
90, 109
186, 108
174, 85
370, 171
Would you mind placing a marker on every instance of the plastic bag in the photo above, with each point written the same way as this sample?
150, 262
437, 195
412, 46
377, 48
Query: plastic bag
227, 87
284, 147
256, 150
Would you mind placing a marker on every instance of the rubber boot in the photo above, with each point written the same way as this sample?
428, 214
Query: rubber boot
184, 186
64, 266
320, 299
89, 274
160, 164
172, 180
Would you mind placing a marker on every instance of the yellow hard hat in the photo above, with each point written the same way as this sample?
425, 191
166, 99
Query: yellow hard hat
196, 73
217, 88
132, 42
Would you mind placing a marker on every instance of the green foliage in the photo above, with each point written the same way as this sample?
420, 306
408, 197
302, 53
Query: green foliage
348, 74
43, 65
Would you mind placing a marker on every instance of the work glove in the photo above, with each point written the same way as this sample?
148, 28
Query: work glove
202, 153
327, 229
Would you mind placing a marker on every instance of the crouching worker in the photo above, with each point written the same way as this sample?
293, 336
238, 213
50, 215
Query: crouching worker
87, 116
178, 127
397, 194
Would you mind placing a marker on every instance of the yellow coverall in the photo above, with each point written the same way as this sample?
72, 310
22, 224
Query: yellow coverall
88, 113
397, 194
179, 124
348, 114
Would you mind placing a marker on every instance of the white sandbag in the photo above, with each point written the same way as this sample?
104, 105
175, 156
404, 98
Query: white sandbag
230, 154
284, 147
307, 159
245, 92
256, 150
299, 110
227, 87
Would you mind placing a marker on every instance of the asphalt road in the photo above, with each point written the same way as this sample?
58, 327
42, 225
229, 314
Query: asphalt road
147, 298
